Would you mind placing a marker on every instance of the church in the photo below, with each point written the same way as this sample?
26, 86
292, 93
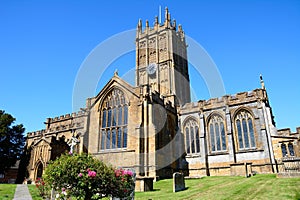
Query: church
155, 129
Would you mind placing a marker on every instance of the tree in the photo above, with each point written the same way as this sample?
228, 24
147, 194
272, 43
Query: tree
11, 141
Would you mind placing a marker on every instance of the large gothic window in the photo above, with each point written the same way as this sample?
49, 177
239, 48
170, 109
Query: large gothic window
192, 139
113, 134
245, 130
217, 134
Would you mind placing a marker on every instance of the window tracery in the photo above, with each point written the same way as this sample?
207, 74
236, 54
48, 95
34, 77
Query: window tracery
114, 119
245, 130
217, 134
192, 139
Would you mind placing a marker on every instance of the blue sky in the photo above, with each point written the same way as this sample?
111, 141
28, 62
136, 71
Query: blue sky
44, 43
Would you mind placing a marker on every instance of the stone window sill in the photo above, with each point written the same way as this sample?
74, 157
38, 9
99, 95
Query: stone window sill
218, 153
113, 151
249, 150
193, 155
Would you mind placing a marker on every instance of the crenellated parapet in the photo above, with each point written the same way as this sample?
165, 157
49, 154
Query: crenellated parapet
227, 100
66, 117
36, 133
62, 124
288, 132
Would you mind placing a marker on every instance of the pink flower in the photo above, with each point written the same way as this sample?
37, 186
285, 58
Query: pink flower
92, 174
127, 172
80, 174
118, 173
63, 189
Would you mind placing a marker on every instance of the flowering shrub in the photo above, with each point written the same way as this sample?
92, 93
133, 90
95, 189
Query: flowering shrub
42, 187
84, 177
91, 174
124, 182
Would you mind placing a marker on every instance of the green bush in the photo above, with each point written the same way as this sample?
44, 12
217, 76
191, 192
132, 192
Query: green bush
84, 177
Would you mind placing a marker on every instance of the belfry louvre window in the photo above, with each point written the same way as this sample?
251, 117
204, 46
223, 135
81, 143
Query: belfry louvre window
217, 134
192, 140
245, 130
114, 112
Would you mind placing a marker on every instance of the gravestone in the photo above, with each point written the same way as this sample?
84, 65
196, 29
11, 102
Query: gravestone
178, 182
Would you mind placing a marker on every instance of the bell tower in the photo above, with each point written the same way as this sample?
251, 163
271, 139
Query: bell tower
161, 59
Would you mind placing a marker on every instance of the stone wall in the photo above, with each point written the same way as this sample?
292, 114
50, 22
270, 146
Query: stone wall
218, 163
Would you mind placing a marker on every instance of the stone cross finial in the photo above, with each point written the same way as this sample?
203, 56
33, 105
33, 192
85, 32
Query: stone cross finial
262, 82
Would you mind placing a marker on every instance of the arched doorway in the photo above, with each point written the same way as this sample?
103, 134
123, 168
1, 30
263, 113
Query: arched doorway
39, 171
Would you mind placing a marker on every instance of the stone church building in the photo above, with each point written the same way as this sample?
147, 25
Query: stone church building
154, 128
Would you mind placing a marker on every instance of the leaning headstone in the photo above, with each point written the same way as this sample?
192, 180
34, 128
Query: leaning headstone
178, 182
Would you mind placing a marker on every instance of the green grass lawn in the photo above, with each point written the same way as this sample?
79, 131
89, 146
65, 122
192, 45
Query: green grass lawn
34, 192
7, 191
229, 187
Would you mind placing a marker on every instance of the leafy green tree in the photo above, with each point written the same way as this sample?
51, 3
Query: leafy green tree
11, 141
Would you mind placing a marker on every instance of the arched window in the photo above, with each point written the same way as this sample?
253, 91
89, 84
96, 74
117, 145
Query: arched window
217, 134
291, 149
245, 130
283, 150
192, 139
114, 119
